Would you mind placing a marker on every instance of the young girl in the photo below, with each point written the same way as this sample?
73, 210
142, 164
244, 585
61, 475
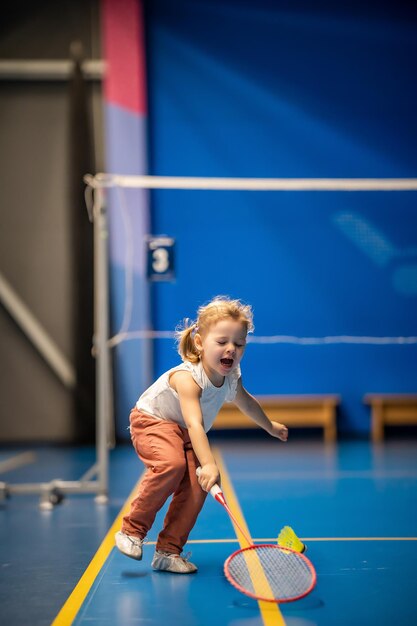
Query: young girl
169, 424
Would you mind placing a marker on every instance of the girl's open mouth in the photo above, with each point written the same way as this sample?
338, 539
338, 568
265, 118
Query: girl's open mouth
226, 362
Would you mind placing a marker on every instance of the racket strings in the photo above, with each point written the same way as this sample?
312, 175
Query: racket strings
270, 573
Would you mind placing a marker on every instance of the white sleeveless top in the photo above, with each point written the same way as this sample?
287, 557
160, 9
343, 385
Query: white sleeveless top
161, 400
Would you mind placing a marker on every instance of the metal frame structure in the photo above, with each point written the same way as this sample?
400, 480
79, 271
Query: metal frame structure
95, 480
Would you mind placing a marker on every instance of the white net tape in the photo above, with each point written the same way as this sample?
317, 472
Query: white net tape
253, 184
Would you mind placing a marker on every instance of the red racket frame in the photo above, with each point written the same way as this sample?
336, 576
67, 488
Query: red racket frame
275, 547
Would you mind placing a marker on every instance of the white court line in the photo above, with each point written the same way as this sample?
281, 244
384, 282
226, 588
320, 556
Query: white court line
309, 539
329, 474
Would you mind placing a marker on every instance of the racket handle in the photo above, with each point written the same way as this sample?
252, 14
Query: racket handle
215, 491
218, 495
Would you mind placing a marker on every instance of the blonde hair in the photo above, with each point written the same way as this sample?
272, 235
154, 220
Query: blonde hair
220, 308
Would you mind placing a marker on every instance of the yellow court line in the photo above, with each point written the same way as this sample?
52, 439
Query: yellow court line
73, 604
271, 615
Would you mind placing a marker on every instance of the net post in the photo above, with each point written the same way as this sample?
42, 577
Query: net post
101, 306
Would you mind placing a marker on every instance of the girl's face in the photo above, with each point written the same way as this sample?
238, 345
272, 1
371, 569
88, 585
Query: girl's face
221, 348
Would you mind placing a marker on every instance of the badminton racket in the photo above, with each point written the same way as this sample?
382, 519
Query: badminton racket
266, 572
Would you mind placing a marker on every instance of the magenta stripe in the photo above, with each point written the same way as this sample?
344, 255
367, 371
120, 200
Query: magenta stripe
124, 53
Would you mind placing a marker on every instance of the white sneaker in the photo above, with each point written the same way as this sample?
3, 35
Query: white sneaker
130, 546
175, 563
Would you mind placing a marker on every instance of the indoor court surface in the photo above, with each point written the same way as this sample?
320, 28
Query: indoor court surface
169, 167
354, 503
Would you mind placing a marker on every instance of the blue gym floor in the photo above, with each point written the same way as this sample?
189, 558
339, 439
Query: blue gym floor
354, 504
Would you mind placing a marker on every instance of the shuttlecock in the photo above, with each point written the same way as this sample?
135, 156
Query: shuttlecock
288, 539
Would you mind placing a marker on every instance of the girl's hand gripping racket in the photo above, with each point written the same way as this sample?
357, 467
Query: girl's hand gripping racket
266, 571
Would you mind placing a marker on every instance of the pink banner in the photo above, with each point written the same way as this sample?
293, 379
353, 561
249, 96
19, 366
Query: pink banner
124, 53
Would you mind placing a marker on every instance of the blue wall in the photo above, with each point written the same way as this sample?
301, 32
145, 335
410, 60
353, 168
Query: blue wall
290, 89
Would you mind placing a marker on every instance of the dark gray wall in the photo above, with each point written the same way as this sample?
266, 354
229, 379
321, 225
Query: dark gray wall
37, 245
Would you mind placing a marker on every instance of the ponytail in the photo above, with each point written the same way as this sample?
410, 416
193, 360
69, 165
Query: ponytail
186, 345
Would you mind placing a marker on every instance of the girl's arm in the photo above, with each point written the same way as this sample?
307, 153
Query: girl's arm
251, 407
189, 396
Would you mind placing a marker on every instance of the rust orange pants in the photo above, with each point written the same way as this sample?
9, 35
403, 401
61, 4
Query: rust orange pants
165, 449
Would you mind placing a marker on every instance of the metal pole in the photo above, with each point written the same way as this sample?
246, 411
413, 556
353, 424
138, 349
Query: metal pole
101, 299
48, 70
37, 334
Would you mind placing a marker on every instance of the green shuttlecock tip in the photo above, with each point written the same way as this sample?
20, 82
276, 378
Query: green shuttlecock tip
288, 539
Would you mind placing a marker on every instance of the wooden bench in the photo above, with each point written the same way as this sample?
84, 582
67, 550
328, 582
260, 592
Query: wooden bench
315, 411
390, 409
